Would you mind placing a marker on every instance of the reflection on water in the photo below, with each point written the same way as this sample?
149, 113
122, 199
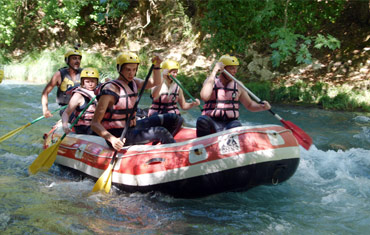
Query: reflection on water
328, 194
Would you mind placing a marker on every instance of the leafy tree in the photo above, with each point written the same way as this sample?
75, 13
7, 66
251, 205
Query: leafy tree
8, 20
21, 21
234, 25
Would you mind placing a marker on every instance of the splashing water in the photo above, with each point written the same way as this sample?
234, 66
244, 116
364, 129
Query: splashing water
329, 193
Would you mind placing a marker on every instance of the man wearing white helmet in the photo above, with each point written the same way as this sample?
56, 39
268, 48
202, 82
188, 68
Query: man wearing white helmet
222, 95
64, 79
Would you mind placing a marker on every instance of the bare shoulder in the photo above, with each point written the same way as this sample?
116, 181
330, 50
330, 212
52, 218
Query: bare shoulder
56, 80
111, 87
139, 82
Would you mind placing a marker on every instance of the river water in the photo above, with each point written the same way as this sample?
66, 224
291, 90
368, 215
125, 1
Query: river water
329, 193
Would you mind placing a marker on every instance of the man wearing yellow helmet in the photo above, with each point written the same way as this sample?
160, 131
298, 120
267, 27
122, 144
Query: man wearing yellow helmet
64, 79
117, 98
168, 94
222, 95
80, 98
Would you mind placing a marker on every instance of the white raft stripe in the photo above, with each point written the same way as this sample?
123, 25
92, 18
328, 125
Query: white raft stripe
205, 168
143, 149
242, 129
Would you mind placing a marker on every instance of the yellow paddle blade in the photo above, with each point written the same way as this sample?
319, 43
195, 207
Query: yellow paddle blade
13, 132
108, 185
45, 159
103, 179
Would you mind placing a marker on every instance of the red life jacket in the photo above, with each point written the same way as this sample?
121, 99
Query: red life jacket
166, 102
117, 116
85, 119
224, 101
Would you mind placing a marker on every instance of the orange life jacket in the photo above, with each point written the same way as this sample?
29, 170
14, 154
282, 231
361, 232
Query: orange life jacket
116, 116
85, 119
224, 101
166, 102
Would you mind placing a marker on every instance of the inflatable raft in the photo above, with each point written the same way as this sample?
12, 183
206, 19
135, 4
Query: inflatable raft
232, 160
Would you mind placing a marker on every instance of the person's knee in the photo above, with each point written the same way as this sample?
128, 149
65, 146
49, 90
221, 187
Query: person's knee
233, 124
164, 136
203, 122
172, 121
203, 126
171, 118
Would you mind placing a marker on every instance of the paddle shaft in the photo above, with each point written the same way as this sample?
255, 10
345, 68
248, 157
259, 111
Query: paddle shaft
47, 157
79, 116
13, 132
105, 180
183, 88
42, 117
258, 100
134, 109
302, 137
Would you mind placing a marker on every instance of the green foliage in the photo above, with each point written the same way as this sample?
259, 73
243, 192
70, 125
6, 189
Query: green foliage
192, 83
109, 9
286, 46
343, 101
8, 20
319, 89
329, 42
19, 16
235, 24
69, 11
302, 93
261, 90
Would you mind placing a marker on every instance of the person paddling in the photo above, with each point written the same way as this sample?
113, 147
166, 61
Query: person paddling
80, 98
222, 96
116, 101
168, 94
64, 79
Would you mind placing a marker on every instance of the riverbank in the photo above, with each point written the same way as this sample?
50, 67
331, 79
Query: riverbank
308, 85
319, 95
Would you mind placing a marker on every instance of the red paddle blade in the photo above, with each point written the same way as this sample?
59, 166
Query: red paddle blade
302, 137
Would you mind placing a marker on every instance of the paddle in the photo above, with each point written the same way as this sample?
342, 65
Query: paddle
47, 157
105, 180
183, 88
13, 132
302, 137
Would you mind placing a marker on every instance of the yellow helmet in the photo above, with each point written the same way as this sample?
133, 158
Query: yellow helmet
170, 64
229, 60
1, 75
127, 58
71, 52
90, 73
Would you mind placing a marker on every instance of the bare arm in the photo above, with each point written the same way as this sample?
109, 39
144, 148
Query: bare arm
104, 103
156, 91
208, 84
55, 81
185, 105
156, 79
76, 100
250, 104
